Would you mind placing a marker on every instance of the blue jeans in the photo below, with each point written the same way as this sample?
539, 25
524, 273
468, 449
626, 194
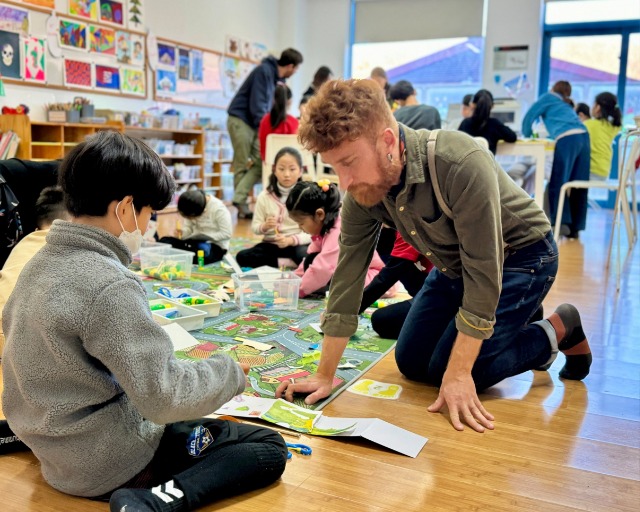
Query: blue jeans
429, 331
571, 161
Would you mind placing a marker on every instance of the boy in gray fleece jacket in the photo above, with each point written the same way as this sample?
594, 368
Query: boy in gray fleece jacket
91, 383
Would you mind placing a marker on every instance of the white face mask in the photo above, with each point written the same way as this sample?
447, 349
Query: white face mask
132, 239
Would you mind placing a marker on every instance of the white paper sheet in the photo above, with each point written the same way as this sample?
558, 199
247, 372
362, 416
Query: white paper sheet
180, 338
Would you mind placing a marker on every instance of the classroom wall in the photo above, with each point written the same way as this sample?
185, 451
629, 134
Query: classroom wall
203, 23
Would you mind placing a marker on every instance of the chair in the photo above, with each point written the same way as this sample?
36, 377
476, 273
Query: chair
275, 142
626, 182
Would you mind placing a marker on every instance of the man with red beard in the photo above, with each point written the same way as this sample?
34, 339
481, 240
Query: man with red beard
470, 326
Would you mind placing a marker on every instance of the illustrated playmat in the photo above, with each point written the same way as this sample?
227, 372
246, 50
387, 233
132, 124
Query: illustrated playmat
294, 336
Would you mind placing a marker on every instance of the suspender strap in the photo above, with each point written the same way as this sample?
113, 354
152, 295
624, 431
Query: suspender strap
431, 160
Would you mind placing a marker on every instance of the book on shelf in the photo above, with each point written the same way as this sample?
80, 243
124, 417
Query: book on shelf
9, 145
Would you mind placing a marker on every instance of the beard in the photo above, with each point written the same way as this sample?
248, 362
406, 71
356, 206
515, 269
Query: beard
370, 194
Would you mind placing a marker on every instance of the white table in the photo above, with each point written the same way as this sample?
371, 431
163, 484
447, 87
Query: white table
535, 148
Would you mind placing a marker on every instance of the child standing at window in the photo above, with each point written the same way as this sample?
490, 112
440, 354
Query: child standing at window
316, 209
603, 127
283, 239
277, 121
206, 226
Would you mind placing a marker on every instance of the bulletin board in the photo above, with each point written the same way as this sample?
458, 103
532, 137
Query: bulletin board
197, 76
95, 46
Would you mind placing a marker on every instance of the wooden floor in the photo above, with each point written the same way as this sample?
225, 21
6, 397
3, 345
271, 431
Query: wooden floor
557, 445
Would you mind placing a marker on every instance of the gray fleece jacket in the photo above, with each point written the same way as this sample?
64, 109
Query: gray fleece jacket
89, 378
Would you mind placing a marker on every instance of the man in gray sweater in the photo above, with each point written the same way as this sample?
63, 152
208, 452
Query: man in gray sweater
91, 383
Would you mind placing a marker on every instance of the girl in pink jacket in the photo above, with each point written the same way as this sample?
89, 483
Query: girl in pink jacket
316, 209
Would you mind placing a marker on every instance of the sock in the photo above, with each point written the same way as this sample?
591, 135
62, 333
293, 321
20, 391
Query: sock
166, 497
9, 442
572, 342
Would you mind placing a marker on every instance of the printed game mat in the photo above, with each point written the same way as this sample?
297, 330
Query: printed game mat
294, 336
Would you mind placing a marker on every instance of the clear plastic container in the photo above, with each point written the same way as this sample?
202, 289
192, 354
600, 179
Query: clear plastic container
193, 299
255, 291
166, 263
165, 311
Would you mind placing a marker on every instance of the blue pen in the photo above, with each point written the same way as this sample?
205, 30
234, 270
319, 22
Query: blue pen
298, 448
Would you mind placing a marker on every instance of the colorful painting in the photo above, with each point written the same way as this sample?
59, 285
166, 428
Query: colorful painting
184, 64
259, 52
35, 63
13, 19
77, 73
112, 11
11, 55
73, 34
166, 56
84, 9
136, 15
196, 66
132, 81
123, 47
137, 49
165, 82
107, 77
102, 40
49, 4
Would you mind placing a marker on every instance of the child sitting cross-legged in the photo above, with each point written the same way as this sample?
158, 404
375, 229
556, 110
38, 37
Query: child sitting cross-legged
107, 409
282, 238
316, 209
206, 226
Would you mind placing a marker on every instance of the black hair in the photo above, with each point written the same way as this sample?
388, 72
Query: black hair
609, 109
307, 196
279, 108
483, 101
108, 166
466, 101
401, 90
321, 76
273, 180
290, 56
192, 202
583, 108
50, 206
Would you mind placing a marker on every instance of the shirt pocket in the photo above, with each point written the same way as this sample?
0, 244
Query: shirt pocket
440, 232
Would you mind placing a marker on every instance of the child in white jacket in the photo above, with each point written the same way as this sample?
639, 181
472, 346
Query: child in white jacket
283, 238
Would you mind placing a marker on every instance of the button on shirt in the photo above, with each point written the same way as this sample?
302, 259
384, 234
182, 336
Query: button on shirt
490, 212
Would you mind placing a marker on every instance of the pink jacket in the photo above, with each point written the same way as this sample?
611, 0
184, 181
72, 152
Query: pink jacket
324, 265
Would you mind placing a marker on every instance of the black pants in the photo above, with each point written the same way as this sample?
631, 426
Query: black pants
266, 253
213, 459
212, 252
387, 322
396, 269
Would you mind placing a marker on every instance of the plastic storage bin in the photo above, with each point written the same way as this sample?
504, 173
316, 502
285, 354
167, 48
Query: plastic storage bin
166, 263
167, 312
193, 299
273, 290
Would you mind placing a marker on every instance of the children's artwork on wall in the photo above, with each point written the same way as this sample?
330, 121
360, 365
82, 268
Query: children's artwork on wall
132, 81
102, 40
123, 47
137, 49
49, 4
84, 9
73, 34
234, 72
13, 19
112, 11
77, 73
107, 77
232, 48
166, 56
165, 82
35, 52
246, 49
259, 51
136, 14
184, 64
53, 36
196, 66
10, 62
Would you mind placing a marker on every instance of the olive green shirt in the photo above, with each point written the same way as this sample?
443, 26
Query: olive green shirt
490, 214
